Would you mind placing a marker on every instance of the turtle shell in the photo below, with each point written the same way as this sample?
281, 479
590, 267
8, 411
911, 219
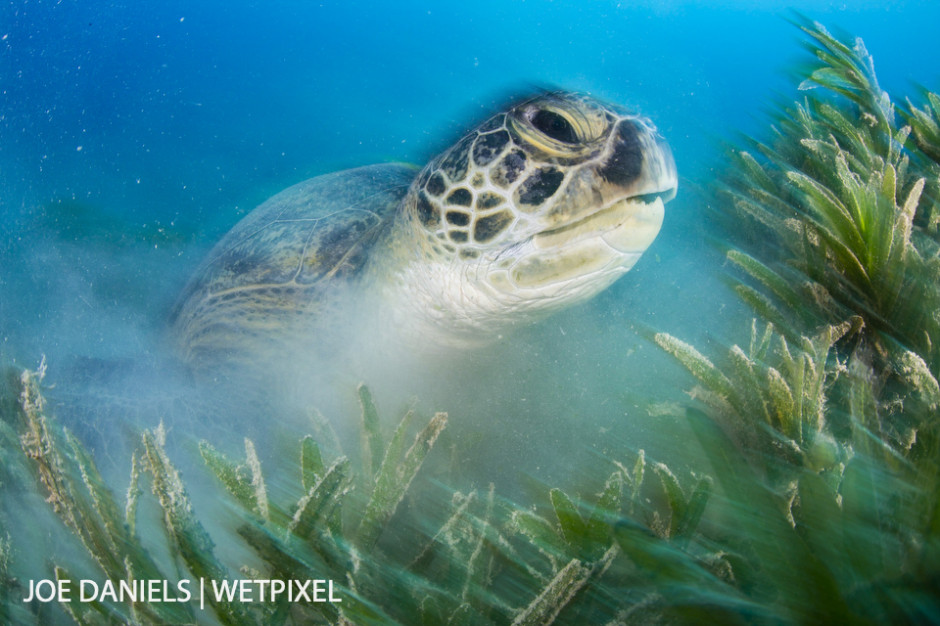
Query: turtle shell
278, 264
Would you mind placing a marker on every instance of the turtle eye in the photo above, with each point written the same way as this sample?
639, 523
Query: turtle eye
555, 126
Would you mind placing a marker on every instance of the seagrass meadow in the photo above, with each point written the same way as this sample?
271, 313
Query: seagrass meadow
813, 496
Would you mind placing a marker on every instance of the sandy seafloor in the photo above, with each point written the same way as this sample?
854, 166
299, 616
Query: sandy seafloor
134, 134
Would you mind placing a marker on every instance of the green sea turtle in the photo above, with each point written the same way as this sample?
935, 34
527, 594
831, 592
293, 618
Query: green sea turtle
539, 207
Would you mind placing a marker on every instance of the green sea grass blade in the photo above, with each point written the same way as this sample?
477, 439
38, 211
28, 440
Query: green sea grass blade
133, 494
753, 170
555, 596
767, 277
697, 364
186, 533
573, 528
258, 489
766, 208
813, 376
830, 78
675, 498
758, 348
695, 508
607, 508
447, 530
311, 463
318, 504
244, 482
101, 498
748, 398
636, 478
393, 482
39, 445
812, 415
794, 373
405, 423
102, 527
782, 405
906, 218
233, 477
925, 124
836, 225
372, 447
540, 532
386, 473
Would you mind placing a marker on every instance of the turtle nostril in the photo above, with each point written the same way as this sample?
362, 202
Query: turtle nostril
626, 160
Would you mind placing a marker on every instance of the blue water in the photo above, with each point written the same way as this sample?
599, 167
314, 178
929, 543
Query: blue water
188, 111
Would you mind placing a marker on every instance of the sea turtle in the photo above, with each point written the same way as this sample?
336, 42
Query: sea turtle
541, 206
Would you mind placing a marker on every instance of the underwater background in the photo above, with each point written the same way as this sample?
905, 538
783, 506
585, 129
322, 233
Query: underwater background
183, 117
134, 135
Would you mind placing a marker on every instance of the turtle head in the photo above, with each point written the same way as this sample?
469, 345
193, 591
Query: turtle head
544, 204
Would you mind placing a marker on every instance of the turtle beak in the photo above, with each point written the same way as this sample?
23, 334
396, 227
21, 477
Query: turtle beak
636, 180
661, 167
